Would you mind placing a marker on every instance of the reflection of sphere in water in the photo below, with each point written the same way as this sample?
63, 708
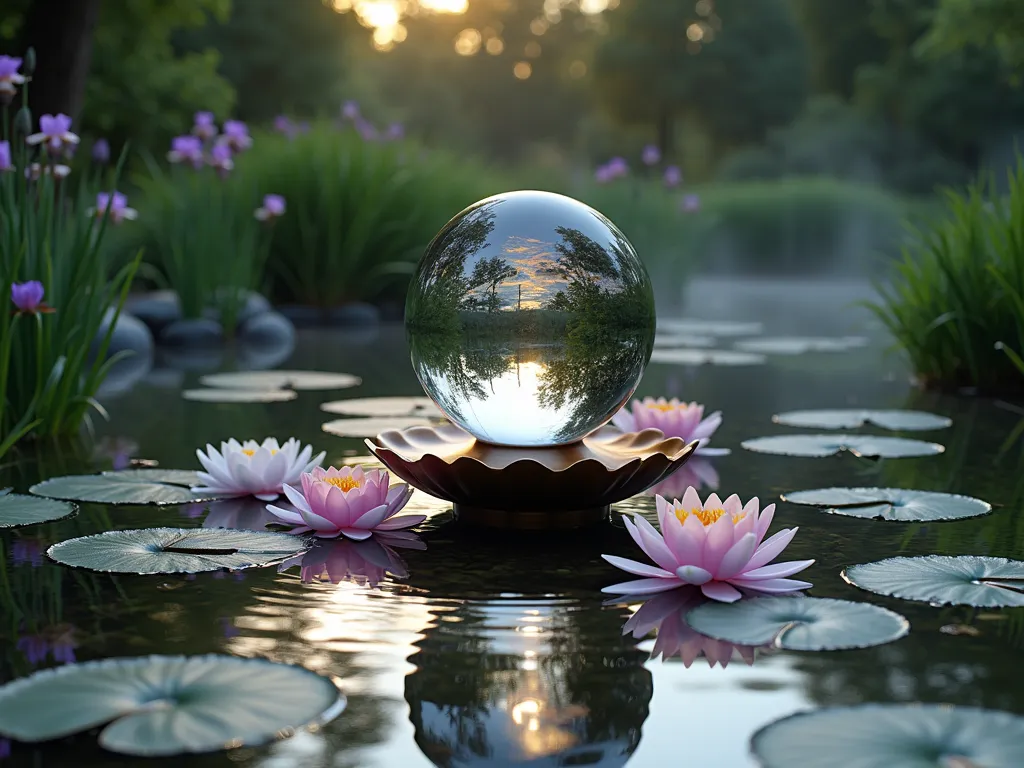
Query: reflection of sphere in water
530, 319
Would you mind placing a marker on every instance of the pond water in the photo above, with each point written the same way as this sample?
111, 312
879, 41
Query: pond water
497, 649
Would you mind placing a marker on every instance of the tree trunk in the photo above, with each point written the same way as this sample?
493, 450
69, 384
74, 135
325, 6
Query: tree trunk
61, 31
666, 133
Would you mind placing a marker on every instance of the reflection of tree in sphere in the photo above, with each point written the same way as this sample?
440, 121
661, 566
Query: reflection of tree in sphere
530, 319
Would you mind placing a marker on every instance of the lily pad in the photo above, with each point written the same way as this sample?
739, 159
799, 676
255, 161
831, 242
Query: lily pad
852, 418
891, 504
799, 345
799, 623
892, 736
706, 357
384, 406
169, 705
662, 341
984, 582
708, 327
185, 477
177, 550
264, 380
863, 446
123, 487
240, 395
16, 509
371, 427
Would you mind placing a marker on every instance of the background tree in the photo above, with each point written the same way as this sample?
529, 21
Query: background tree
733, 67
840, 38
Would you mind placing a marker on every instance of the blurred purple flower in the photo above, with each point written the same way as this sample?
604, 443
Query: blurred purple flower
221, 158
63, 647
395, 132
193, 511
690, 203
115, 205
5, 749
602, 174
101, 151
273, 207
651, 155
350, 110
55, 130
34, 648
9, 77
618, 166
27, 552
5, 156
204, 126
284, 126
304, 126
186, 149
228, 627
28, 297
236, 135
673, 176
366, 129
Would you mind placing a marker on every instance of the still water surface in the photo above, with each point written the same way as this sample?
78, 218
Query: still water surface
497, 650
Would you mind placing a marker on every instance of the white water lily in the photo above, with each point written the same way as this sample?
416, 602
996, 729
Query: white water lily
254, 469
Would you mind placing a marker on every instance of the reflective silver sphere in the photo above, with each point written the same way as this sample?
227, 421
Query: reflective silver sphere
530, 319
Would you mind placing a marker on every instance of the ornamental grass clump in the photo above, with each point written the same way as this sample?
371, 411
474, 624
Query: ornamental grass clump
200, 224
955, 303
53, 277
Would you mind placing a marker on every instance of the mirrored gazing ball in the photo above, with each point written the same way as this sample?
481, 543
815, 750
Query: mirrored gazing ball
530, 319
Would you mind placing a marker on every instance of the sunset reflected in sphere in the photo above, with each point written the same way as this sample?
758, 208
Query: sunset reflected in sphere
530, 319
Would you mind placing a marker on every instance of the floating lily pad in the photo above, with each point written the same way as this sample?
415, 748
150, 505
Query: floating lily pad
264, 380
892, 736
864, 446
169, 705
706, 357
852, 418
891, 503
123, 487
384, 406
177, 550
240, 395
708, 327
16, 509
799, 345
984, 582
185, 477
371, 427
799, 623
662, 341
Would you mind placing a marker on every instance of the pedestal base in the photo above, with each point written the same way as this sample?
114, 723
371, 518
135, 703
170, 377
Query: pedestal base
530, 520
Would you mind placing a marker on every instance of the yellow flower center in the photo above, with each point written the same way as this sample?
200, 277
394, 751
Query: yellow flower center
346, 483
706, 516
666, 407
250, 452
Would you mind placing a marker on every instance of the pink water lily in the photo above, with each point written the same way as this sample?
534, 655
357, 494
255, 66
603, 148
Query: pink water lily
717, 546
346, 502
254, 469
673, 417
370, 562
666, 614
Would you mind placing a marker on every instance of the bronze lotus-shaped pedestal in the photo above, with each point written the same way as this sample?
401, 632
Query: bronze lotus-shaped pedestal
557, 487
530, 321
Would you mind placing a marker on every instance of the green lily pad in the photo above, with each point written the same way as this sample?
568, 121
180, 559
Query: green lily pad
185, 477
169, 705
799, 345
370, 427
708, 327
384, 406
799, 623
140, 486
239, 395
663, 341
16, 509
265, 380
177, 550
892, 736
984, 582
706, 357
863, 446
891, 504
851, 418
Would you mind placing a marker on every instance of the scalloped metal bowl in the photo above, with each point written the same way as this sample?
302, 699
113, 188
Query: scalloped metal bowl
563, 486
